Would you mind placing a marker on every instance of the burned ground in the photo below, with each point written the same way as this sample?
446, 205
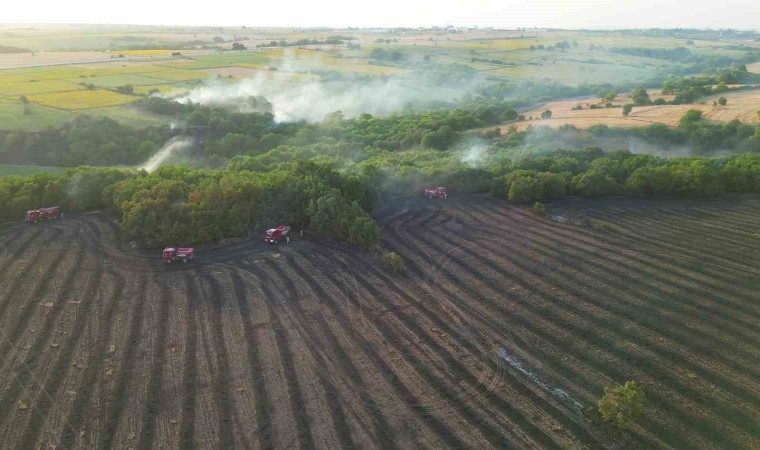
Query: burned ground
503, 334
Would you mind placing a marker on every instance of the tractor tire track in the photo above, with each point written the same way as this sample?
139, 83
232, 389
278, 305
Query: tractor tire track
494, 436
45, 402
120, 394
29, 361
263, 406
78, 411
152, 404
515, 416
338, 413
577, 329
189, 372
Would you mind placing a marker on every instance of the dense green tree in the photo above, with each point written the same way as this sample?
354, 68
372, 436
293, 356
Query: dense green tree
689, 119
640, 97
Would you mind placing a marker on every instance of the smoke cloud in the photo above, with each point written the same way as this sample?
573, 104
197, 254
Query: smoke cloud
545, 139
313, 100
474, 153
291, 96
173, 148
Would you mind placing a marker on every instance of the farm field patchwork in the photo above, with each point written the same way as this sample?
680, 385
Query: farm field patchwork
81, 99
17, 88
503, 334
12, 115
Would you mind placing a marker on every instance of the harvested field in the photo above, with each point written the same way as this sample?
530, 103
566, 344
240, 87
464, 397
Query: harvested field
503, 334
742, 105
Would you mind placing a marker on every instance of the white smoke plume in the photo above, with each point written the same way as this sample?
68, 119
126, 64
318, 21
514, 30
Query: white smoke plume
474, 154
172, 148
313, 100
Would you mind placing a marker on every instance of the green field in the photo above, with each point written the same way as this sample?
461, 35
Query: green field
494, 55
15, 169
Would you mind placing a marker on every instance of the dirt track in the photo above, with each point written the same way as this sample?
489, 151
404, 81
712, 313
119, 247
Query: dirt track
503, 335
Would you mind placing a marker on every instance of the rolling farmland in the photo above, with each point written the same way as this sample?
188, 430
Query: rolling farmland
742, 105
503, 334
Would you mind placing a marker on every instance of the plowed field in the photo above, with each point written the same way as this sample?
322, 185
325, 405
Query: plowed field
503, 334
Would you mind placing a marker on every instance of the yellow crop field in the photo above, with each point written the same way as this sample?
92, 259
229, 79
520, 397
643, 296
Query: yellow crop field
14, 88
81, 99
741, 105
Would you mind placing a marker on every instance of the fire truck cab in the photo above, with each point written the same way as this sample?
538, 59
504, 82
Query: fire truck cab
178, 254
438, 192
274, 235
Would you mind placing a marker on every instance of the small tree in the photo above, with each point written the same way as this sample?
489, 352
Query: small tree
691, 117
627, 108
722, 101
546, 114
640, 97
622, 405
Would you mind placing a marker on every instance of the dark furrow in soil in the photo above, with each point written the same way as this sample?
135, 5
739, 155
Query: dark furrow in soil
442, 388
334, 399
120, 395
84, 394
152, 406
62, 365
262, 403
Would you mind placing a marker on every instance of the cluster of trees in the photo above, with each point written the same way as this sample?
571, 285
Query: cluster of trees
332, 40
87, 140
562, 45
593, 173
182, 205
333, 188
76, 190
233, 133
673, 54
689, 89
127, 89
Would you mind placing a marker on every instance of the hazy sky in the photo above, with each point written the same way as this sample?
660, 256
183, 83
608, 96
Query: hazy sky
389, 13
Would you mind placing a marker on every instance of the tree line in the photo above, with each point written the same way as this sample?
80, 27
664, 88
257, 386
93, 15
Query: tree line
335, 198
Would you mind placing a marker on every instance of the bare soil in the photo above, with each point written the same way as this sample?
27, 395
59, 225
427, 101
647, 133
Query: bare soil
502, 335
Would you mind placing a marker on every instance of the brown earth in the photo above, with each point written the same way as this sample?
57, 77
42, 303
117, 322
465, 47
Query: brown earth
503, 334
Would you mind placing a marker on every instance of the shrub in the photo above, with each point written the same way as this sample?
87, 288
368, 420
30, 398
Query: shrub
539, 209
622, 405
393, 262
